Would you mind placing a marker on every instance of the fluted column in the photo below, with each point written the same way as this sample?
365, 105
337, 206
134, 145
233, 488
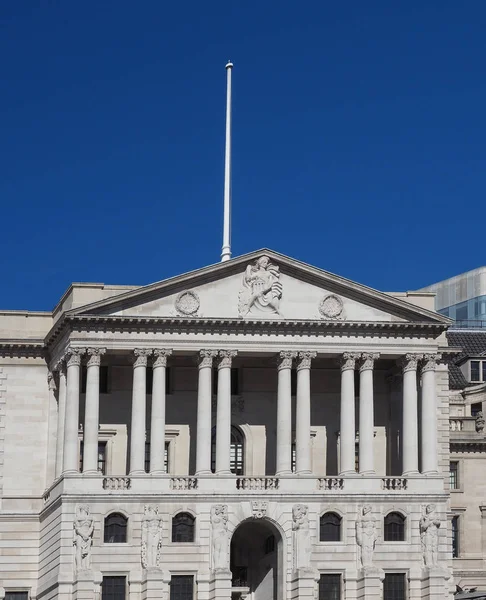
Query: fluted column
52, 429
347, 417
92, 411
61, 414
366, 413
410, 414
204, 393
223, 413
284, 413
429, 415
71, 421
157, 423
303, 414
137, 429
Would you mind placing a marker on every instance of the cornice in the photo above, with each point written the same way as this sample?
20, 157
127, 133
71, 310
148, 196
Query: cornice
468, 445
22, 348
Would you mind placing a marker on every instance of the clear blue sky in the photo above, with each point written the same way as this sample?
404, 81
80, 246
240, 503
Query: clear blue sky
359, 139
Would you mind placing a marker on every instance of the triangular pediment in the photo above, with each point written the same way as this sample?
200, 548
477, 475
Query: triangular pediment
261, 285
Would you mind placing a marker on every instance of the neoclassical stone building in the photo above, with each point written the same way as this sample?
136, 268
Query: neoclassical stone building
256, 429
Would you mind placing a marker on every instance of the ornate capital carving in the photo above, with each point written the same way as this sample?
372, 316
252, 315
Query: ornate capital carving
305, 359
430, 362
160, 357
73, 356
205, 358
348, 361
409, 362
285, 359
226, 357
141, 356
51, 382
368, 360
94, 354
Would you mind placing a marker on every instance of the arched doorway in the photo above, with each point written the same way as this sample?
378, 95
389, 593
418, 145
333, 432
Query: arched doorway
257, 561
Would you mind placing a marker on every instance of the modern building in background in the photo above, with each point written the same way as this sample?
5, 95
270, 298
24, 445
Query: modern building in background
462, 298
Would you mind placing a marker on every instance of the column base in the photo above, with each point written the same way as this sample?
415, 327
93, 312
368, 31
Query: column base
228, 472
158, 473
369, 472
137, 472
304, 472
204, 472
433, 472
281, 473
92, 472
352, 472
408, 473
70, 472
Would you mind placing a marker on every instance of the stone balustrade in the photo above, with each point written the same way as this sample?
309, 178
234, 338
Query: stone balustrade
257, 483
183, 483
462, 424
116, 483
394, 483
330, 483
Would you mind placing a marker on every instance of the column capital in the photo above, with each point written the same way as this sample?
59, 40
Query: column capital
141, 357
409, 362
348, 360
51, 382
368, 361
305, 359
160, 357
225, 358
95, 354
285, 359
205, 358
430, 362
73, 356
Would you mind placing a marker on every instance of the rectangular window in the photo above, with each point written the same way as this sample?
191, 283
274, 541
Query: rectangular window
476, 408
356, 457
293, 459
101, 457
113, 588
269, 544
455, 536
394, 586
147, 457
182, 587
16, 595
103, 379
454, 475
330, 587
483, 364
475, 370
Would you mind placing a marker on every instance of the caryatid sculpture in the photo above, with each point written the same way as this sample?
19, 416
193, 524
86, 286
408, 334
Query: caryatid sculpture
151, 537
366, 536
261, 289
83, 528
429, 536
301, 534
220, 537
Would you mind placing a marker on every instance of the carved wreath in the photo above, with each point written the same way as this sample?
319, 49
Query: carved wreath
187, 303
331, 307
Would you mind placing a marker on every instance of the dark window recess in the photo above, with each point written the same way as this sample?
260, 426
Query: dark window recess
394, 527
455, 537
101, 457
330, 527
293, 382
239, 576
269, 544
16, 595
147, 457
475, 370
149, 380
476, 408
113, 588
235, 381
103, 379
454, 475
356, 383
115, 529
237, 451
394, 586
330, 587
183, 528
182, 587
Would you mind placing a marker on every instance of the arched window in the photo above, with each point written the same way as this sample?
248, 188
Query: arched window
394, 527
330, 527
237, 451
183, 528
115, 529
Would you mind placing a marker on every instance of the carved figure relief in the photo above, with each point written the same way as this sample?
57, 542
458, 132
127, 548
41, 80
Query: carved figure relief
220, 538
187, 304
366, 536
301, 535
259, 509
429, 536
331, 307
479, 422
261, 289
151, 537
83, 528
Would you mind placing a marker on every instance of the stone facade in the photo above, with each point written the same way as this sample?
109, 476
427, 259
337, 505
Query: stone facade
252, 397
